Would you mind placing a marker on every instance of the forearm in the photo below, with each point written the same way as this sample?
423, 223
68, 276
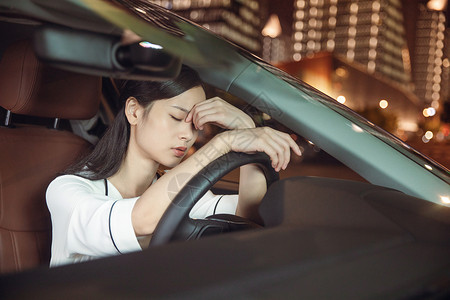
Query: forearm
150, 207
252, 188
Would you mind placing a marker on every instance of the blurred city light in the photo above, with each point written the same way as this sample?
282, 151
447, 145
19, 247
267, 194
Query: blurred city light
341, 99
435, 104
429, 112
437, 4
445, 199
429, 135
446, 63
383, 104
273, 27
440, 136
341, 72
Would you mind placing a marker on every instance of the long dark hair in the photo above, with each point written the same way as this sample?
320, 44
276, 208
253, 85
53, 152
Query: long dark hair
108, 154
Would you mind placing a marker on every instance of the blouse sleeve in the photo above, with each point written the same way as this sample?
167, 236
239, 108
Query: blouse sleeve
211, 204
86, 222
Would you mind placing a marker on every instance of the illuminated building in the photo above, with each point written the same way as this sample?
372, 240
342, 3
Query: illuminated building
367, 32
430, 73
276, 45
236, 20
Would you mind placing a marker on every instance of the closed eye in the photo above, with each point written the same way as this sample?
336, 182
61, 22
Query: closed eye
175, 118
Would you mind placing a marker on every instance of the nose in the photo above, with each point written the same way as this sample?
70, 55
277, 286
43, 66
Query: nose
187, 132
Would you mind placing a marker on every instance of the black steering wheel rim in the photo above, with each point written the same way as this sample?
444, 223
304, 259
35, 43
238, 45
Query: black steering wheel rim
199, 184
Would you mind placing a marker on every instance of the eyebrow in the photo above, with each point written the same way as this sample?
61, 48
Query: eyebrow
180, 108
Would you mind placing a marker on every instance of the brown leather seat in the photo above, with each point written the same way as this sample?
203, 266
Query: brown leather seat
31, 156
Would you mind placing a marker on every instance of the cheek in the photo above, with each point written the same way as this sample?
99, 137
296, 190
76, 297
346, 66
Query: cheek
149, 134
159, 127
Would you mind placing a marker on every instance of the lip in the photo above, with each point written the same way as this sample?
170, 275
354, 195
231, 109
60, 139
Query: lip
179, 151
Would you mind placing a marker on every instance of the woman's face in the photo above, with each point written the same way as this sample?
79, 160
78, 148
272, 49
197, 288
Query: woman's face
163, 135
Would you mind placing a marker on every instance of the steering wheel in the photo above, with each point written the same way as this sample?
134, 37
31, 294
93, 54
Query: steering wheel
176, 224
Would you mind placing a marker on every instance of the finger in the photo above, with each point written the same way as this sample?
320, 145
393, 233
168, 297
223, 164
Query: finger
279, 145
197, 107
215, 118
283, 147
272, 153
219, 115
207, 104
203, 110
293, 145
251, 140
290, 144
189, 116
216, 100
211, 115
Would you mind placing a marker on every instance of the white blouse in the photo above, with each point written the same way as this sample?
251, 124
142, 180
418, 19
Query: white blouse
91, 220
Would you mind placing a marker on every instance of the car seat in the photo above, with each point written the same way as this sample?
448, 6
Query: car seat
32, 155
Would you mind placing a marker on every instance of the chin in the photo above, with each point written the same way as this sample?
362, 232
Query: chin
170, 163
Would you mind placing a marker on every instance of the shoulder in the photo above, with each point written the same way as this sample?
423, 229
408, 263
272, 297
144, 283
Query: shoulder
74, 179
72, 183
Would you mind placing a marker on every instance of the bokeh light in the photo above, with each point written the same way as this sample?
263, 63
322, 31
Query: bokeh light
383, 104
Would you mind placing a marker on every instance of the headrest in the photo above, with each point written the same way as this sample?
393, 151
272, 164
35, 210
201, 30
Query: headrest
29, 87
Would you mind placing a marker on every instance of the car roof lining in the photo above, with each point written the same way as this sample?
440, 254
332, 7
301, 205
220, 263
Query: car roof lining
68, 13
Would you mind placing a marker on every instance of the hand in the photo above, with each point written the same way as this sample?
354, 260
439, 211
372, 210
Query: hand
276, 144
220, 113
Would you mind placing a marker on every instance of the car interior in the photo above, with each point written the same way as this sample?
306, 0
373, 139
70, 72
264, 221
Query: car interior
50, 118
53, 116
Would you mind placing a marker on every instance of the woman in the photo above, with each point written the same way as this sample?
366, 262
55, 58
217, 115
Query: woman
111, 201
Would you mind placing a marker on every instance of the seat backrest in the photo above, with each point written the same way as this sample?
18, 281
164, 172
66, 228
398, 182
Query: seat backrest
31, 156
